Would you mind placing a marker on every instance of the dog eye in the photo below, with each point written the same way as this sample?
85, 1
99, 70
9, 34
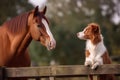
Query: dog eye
86, 30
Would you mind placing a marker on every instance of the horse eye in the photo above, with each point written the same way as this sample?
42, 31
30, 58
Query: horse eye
39, 25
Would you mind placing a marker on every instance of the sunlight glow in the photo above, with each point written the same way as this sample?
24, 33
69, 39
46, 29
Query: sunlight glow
40, 3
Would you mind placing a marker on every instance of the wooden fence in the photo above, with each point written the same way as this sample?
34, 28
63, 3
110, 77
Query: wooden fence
57, 71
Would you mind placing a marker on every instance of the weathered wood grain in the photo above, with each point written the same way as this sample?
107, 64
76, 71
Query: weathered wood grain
61, 71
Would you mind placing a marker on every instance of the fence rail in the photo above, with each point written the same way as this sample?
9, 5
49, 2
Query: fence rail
58, 71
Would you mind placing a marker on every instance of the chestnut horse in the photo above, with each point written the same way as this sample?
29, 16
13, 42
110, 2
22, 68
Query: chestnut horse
17, 33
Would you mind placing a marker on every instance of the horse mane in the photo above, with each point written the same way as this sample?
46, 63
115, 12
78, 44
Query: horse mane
17, 24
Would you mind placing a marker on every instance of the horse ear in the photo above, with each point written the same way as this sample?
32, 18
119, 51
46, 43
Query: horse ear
36, 10
44, 10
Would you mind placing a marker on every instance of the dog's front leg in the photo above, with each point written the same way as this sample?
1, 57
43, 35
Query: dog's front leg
88, 62
97, 62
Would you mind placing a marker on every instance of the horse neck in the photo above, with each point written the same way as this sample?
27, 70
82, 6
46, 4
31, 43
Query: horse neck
20, 43
24, 43
18, 33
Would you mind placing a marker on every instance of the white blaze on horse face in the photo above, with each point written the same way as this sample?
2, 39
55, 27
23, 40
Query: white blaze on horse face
52, 43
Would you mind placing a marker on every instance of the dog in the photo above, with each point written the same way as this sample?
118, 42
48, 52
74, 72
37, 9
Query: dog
96, 53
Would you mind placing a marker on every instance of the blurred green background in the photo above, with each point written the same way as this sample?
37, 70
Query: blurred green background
67, 17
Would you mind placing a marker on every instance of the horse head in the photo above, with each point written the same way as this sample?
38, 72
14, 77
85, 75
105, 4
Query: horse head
39, 28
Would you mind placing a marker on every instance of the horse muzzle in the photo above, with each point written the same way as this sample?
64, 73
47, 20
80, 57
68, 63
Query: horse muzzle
51, 45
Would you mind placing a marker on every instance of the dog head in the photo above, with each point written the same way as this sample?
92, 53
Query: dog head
91, 32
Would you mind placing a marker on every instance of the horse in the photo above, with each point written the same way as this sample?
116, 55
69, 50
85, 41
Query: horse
17, 33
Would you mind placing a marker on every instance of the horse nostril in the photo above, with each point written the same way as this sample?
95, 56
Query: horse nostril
50, 44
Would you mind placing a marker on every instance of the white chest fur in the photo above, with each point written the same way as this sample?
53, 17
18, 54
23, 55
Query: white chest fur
96, 52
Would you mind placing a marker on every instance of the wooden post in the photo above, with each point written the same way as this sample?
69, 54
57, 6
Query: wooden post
51, 78
95, 77
37, 78
2, 73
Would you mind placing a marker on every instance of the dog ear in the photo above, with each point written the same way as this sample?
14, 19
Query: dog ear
95, 29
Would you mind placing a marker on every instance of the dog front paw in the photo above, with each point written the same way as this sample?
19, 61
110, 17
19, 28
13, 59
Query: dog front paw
88, 63
95, 66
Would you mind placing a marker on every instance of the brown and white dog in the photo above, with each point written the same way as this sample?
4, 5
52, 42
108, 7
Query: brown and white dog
96, 52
